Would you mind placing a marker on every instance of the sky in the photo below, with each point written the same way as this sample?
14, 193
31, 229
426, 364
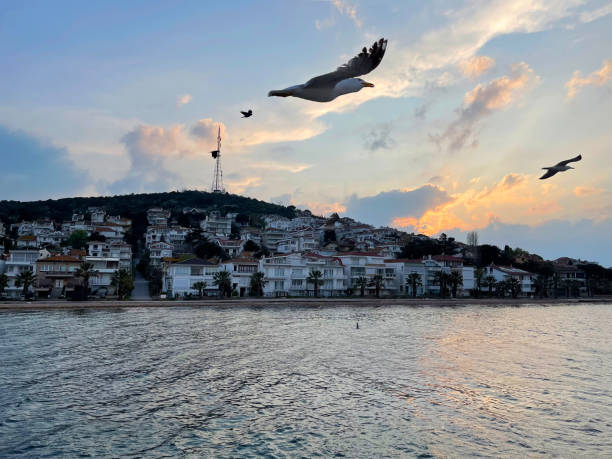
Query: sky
471, 100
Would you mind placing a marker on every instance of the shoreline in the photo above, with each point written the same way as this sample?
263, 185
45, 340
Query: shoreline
42, 305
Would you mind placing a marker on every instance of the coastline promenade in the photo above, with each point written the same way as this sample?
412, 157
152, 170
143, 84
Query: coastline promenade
45, 305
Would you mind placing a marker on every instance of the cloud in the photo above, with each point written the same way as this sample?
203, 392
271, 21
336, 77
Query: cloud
421, 111
552, 239
379, 137
343, 7
583, 191
164, 158
476, 66
383, 208
597, 78
294, 168
589, 16
183, 100
481, 102
33, 169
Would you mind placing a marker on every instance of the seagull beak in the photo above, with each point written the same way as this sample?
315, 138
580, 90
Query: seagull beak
365, 84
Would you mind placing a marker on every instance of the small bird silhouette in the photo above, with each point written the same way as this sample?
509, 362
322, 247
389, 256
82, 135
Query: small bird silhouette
247, 114
559, 167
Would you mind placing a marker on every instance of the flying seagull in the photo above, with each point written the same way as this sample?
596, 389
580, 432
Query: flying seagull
325, 88
246, 114
559, 167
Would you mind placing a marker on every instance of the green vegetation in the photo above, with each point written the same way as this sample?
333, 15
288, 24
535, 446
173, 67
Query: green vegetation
258, 282
414, 281
25, 279
362, 283
78, 239
85, 271
200, 287
377, 282
123, 283
223, 280
314, 278
3, 283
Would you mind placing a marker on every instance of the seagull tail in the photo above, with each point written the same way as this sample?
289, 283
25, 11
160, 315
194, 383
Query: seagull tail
281, 93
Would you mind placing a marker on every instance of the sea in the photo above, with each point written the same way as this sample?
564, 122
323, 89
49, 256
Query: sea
297, 381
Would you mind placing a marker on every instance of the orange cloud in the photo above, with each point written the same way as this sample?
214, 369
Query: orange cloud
476, 66
183, 100
582, 191
597, 78
324, 208
512, 198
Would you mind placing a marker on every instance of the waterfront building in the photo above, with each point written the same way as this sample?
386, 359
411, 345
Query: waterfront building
20, 260
504, 273
105, 267
181, 276
55, 276
241, 269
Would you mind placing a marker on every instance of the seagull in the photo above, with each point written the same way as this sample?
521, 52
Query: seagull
325, 88
559, 167
246, 114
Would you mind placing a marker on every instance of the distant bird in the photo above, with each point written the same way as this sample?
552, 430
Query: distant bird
247, 114
559, 167
325, 88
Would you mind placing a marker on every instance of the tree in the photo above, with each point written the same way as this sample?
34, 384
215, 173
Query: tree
156, 281
123, 283
329, 235
514, 286
25, 279
501, 288
490, 283
85, 271
223, 280
3, 282
200, 286
455, 279
78, 239
540, 283
207, 249
362, 283
315, 278
377, 282
250, 246
258, 282
479, 278
414, 280
441, 279
95, 236
472, 238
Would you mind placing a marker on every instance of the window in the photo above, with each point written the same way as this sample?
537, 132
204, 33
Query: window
279, 285
297, 272
196, 271
279, 272
296, 283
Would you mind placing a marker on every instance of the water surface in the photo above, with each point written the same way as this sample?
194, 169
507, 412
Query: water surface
529, 381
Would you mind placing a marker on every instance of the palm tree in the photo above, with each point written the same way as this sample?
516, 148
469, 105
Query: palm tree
441, 278
490, 283
455, 278
501, 288
123, 282
514, 285
315, 278
25, 279
362, 283
258, 282
86, 270
223, 280
200, 286
540, 283
377, 282
414, 280
3, 282
479, 278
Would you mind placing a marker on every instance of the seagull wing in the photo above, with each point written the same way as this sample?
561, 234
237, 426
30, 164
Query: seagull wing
364, 62
549, 173
244, 113
565, 163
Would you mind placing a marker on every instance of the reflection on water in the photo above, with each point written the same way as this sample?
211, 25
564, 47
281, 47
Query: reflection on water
428, 382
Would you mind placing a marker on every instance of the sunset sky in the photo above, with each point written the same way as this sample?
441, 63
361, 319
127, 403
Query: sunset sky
472, 99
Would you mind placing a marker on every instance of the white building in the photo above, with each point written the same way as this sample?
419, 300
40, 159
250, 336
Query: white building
18, 262
27, 241
241, 269
97, 214
53, 238
287, 275
180, 277
118, 250
158, 216
217, 224
368, 265
159, 251
105, 267
504, 273
233, 247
